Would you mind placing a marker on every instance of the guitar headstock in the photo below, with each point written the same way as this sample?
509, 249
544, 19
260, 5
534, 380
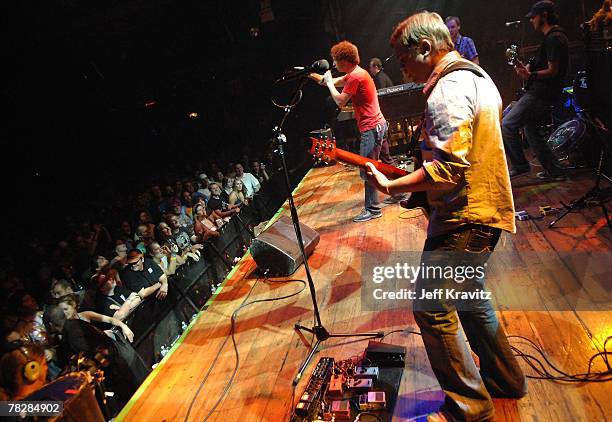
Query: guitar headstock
323, 150
512, 55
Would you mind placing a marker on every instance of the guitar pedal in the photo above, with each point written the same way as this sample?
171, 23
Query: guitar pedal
341, 410
548, 210
361, 385
372, 400
521, 215
336, 387
366, 372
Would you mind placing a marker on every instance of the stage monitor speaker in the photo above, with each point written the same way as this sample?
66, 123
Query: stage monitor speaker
276, 249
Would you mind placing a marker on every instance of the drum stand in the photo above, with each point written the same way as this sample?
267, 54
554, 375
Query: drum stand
596, 194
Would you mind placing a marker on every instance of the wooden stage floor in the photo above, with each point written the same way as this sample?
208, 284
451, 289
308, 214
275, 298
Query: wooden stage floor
270, 350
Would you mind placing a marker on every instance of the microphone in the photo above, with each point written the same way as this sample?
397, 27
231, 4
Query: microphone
320, 66
512, 23
384, 62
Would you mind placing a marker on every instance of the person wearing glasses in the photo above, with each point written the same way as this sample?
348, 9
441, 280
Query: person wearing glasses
143, 276
468, 188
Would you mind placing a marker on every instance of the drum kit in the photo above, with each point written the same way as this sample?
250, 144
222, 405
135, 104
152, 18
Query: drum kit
568, 143
566, 140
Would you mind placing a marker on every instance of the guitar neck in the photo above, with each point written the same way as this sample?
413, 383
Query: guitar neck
357, 160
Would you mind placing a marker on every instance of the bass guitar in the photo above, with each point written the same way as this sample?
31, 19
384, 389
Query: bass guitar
325, 151
512, 58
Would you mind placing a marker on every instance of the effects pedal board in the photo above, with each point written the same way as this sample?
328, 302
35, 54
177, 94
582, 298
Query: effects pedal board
311, 397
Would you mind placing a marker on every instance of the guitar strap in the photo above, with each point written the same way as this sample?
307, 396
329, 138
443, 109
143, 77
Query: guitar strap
527, 84
548, 34
419, 199
557, 29
460, 64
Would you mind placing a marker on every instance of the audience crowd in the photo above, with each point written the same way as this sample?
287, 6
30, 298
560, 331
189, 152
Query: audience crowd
71, 295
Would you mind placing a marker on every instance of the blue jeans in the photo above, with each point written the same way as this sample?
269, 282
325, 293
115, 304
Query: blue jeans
467, 389
372, 141
528, 113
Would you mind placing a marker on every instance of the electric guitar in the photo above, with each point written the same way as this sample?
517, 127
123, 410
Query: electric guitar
512, 57
325, 151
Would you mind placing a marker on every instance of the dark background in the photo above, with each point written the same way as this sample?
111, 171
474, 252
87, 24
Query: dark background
76, 76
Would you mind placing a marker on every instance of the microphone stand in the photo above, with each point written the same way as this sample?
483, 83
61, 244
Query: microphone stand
520, 27
320, 332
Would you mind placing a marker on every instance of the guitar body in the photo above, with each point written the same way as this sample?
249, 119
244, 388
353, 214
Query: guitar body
326, 151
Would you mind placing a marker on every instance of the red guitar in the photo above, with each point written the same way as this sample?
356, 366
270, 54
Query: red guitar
325, 151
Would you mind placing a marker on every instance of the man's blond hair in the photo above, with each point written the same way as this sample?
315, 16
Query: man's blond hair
422, 25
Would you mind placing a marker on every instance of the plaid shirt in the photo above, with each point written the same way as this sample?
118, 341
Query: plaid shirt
465, 46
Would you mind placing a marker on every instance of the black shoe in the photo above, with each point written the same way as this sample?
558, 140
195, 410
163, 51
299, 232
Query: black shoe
394, 199
544, 175
518, 171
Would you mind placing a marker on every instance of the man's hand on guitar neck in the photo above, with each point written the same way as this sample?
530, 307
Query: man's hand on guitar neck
380, 180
